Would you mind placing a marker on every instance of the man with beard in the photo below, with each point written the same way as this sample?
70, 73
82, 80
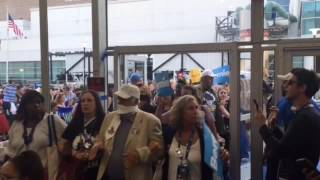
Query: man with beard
131, 140
301, 138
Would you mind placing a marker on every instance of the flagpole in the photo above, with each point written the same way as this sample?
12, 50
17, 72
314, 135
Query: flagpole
7, 62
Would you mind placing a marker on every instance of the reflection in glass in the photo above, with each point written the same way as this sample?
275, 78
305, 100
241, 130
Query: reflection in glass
245, 129
291, 19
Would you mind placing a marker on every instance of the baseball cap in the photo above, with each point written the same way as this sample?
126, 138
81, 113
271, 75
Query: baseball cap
207, 72
135, 78
285, 77
127, 91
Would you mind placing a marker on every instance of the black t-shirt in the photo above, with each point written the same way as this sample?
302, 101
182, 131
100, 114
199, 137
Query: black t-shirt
77, 128
301, 140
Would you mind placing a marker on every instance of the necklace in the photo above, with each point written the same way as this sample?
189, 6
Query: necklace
179, 151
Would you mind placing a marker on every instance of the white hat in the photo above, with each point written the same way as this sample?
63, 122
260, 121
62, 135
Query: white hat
207, 72
285, 77
127, 91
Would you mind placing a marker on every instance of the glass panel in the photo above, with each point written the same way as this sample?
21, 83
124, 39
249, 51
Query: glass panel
297, 21
162, 73
145, 22
110, 82
311, 63
70, 42
70, 52
308, 9
245, 122
268, 87
3, 74
20, 43
307, 62
307, 24
318, 8
268, 79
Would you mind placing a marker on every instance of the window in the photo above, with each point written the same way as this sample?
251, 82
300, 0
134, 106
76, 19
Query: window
70, 40
293, 22
155, 22
20, 46
308, 9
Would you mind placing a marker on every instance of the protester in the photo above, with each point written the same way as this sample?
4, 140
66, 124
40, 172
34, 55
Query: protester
25, 166
223, 121
286, 114
136, 79
164, 103
80, 133
145, 100
184, 143
130, 138
60, 100
31, 131
208, 117
4, 123
301, 138
70, 97
204, 89
54, 107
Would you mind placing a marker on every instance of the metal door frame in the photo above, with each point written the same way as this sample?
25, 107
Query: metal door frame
234, 56
284, 53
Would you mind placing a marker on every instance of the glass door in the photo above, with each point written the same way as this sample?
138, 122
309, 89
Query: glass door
309, 59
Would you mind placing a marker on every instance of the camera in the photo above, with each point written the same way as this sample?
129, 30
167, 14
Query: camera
83, 142
183, 170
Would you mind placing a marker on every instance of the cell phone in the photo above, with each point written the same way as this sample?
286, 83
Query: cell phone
256, 104
304, 163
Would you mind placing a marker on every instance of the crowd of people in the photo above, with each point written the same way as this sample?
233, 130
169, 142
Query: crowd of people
148, 136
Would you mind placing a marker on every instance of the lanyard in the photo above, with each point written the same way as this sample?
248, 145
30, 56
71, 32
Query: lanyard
189, 142
28, 137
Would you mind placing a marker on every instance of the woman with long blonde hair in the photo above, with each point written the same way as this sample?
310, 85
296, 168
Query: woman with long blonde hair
184, 142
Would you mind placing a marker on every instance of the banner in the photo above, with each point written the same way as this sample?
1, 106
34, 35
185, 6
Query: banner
221, 75
163, 83
10, 93
195, 76
37, 85
212, 151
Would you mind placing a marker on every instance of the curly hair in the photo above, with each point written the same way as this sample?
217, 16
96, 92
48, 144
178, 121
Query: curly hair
178, 108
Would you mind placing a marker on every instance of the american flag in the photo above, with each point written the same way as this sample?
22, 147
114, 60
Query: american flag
14, 26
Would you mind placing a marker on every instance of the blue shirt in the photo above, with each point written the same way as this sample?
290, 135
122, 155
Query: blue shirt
286, 114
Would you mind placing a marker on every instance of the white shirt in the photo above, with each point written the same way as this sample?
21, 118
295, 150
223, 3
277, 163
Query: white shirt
194, 159
40, 140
